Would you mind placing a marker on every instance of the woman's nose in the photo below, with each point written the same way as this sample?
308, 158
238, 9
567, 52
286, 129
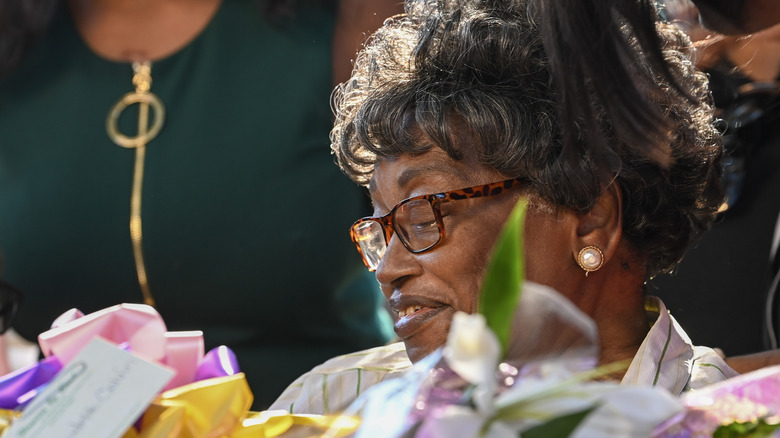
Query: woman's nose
396, 265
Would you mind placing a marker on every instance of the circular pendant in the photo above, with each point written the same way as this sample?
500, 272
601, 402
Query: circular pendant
144, 136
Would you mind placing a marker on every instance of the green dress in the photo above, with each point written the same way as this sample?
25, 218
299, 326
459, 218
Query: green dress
245, 215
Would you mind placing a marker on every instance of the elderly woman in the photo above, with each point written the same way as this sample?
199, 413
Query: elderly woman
449, 118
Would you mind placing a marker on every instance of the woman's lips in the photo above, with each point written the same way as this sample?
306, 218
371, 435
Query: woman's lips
414, 314
408, 325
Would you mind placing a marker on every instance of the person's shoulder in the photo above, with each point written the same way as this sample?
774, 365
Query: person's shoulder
390, 358
708, 367
334, 384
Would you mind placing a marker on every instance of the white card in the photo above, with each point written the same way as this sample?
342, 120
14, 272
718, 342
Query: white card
98, 395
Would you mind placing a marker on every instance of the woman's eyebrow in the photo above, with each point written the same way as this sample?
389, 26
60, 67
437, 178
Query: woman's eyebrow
409, 174
431, 167
404, 178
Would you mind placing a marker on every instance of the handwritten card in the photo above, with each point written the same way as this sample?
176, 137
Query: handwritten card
98, 395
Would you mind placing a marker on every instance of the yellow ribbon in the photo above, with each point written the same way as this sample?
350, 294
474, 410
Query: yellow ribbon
271, 424
6, 418
219, 408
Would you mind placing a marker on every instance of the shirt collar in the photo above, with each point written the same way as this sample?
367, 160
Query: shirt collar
665, 357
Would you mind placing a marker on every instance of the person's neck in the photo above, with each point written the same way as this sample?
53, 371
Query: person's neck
614, 297
622, 334
139, 30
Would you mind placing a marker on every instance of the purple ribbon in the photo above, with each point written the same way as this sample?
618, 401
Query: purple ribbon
218, 362
20, 386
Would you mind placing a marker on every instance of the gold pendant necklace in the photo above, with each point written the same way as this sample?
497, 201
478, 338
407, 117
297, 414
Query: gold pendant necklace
142, 79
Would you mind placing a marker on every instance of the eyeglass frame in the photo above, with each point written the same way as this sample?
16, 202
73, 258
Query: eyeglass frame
434, 200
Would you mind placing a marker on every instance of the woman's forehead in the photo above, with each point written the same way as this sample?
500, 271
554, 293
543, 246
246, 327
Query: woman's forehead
407, 175
405, 170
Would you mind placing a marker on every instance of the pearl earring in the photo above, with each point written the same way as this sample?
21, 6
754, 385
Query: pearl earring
590, 259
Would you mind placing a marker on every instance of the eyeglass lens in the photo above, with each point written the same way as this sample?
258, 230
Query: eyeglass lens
414, 221
370, 236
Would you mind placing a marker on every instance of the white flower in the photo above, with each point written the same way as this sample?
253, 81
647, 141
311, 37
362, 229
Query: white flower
472, 349
473, 352
627, 411
622, 411
452, 421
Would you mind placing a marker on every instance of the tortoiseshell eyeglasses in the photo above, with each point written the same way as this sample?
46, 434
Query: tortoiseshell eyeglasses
417, 221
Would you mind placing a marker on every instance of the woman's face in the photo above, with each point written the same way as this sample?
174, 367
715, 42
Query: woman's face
426, 289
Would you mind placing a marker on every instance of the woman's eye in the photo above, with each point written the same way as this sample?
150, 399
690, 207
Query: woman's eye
422, 219
424, 226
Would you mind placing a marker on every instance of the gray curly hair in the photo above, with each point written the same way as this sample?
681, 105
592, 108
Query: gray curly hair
482, 64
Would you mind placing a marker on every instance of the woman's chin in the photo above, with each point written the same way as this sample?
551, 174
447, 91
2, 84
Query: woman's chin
423, 344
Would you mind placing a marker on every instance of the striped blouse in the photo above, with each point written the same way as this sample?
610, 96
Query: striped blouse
667, 358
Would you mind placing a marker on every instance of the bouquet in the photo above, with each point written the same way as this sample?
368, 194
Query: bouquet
119, 373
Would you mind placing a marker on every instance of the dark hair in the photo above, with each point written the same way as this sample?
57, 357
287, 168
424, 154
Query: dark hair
23, 23
483, 64
593, 58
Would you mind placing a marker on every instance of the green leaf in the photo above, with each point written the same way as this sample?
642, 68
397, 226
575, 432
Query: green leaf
754, 429
559, 427
504, 276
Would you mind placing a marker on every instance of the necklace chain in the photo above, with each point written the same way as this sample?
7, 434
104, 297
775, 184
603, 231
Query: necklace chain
142, 80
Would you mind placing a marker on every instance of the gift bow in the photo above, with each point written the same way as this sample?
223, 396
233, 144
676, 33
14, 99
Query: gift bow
136, 327
219, 408
208, 396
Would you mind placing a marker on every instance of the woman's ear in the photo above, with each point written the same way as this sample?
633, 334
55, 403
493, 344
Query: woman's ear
602, 226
